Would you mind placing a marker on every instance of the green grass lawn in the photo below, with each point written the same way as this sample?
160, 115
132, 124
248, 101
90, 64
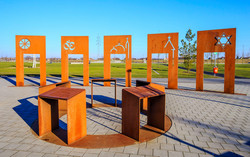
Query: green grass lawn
139, 70
241, 70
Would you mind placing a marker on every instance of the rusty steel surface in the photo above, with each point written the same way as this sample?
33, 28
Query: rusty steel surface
48, 112
156, 112
26, 44
42, 89
61, 93
144, 102
209, 41
144, 91
104, 141
92, 90
130, 115
164, 43
58, 137
46, 88
131, 108
103, 80
76, 134
75, 45
118, 45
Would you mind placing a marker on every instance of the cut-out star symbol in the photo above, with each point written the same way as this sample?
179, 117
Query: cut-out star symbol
223, 40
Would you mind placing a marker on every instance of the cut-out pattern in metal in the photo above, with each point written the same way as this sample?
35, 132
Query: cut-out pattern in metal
173, 49
223, 40
124, 48
24, 43
169, 41
69, 45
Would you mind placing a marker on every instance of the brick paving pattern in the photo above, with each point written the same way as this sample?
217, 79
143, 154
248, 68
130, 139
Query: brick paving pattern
204, 123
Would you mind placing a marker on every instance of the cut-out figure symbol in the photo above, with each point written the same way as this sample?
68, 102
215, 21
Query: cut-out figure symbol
223, 40
69, 45
24, 43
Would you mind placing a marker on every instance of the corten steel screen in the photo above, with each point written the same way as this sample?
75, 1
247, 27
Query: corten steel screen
75, 45
164, 43
30, 45
221, 40
117, 45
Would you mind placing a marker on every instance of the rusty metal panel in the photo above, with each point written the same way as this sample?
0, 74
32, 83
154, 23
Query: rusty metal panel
26, 44
144, 102
75, 45
130, 115
131, 105
43, 89
118, 45
61, 93
156, 112
164, 43
144, 91
157, 86
76, 117
44, 115
210, 41
74, 100
64, 84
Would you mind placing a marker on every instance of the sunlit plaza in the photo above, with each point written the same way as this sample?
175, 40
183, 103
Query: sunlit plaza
203, 123
124, 78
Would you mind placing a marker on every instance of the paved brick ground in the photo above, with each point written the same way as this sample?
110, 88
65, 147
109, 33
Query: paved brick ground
204, 123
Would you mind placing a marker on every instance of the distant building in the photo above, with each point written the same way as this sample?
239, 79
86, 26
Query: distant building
244, 57
221, 58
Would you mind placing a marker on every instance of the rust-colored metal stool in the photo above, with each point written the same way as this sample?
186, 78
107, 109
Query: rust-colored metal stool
48, 112
131, 102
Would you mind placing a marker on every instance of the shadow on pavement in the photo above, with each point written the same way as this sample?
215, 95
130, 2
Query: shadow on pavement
104, 99
32, 81
29, 113
226, 154
9, 79
247, 104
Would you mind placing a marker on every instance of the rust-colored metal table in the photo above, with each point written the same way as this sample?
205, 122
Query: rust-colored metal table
131, 100
48, 115
102, 80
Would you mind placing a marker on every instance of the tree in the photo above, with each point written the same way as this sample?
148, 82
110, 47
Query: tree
188, 50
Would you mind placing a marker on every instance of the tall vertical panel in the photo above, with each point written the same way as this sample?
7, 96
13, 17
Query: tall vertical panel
30, 45
75, 45
164, 43
220, 40
118, 45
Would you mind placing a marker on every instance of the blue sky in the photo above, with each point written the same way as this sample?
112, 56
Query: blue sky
113, 17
